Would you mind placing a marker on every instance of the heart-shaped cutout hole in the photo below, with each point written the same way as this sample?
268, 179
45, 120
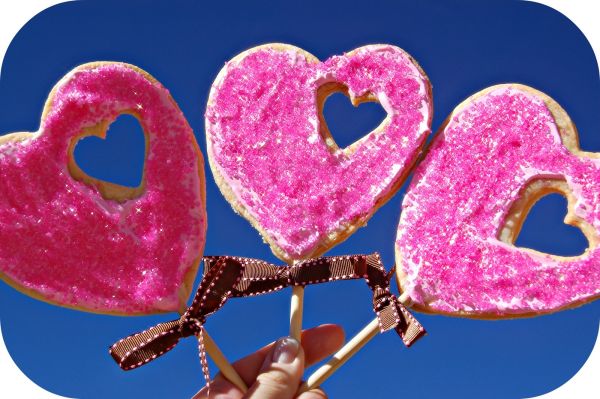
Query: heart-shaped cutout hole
543, 220
352, 118
544, 229
112, 158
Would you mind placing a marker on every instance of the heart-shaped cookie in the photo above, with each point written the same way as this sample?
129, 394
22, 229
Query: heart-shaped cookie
498, 153
274, 159
72, 240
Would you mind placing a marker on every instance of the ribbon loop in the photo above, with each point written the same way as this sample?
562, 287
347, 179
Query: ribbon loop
221, 274
138, 349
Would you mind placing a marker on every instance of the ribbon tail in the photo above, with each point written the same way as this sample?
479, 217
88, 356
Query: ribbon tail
394, 315
409, 328
141, 348
203, 360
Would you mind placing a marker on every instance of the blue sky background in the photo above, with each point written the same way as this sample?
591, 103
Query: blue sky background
463, 46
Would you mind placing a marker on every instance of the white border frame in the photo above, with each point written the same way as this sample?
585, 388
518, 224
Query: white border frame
15, 384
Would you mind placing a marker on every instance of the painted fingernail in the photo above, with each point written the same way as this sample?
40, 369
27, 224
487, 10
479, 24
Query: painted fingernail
286, 350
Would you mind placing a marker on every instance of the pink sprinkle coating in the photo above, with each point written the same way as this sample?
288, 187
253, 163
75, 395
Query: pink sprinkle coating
448, 249
264, 141
61, 241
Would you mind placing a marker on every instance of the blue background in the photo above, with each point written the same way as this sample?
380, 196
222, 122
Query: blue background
463, 46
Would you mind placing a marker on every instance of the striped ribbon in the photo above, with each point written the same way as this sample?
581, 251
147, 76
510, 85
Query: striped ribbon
233, 277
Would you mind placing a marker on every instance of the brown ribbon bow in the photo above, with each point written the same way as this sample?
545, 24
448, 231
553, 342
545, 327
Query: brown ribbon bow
227, 276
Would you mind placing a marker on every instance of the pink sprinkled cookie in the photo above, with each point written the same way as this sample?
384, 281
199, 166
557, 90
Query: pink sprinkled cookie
496, 155
272, 154
75, 241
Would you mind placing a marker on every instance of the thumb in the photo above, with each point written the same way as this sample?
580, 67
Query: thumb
281, 371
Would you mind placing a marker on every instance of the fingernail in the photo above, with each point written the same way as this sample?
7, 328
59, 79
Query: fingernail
286, 350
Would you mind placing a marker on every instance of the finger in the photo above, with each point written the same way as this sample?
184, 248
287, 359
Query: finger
313, 394
321, 342
318, 343
281, 371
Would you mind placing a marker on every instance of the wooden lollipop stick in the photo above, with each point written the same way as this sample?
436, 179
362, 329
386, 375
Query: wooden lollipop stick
222, 363
347, 351
296, 307
337, 360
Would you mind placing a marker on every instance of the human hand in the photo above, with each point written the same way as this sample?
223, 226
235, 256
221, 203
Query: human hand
275, 371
